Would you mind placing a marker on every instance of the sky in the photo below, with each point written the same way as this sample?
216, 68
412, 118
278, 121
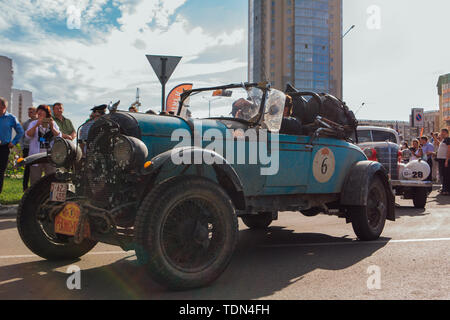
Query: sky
89, 52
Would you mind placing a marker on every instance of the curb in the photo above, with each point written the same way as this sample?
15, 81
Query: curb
8, 211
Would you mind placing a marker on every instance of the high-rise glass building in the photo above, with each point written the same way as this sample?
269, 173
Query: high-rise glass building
297, 42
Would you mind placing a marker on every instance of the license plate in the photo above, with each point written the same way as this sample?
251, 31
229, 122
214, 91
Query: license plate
58, 191
66, 222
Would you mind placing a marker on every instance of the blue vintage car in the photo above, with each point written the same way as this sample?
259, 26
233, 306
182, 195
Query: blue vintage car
172, 186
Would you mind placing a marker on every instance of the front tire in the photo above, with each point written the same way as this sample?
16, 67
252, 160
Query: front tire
37, 231
186, 232
368, 222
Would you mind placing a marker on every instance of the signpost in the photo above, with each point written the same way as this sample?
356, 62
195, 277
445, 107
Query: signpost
164, 66
418, 118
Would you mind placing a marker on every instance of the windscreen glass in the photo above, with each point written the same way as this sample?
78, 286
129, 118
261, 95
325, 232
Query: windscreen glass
230, 103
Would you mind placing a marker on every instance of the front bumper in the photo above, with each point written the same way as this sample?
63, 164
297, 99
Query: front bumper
411, 184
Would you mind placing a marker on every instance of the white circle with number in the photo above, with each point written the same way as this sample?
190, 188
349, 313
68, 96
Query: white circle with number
324, 165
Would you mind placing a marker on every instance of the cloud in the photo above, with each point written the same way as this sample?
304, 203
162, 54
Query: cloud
95, 65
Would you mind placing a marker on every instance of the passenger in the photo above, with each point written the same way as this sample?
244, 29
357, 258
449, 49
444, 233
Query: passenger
290, 125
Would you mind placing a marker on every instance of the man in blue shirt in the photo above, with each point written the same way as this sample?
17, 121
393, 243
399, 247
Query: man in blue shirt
7, 123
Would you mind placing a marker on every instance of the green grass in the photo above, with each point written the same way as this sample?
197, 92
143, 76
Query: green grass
12, 191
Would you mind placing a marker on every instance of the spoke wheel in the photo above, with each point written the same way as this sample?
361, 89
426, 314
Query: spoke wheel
186, 232
191, 235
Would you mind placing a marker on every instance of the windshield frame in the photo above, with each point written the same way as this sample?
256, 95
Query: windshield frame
265, 87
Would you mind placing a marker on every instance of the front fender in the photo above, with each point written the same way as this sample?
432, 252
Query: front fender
356, 187
163, 168
34, 159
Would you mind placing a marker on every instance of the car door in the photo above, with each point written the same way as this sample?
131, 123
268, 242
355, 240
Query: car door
294, 165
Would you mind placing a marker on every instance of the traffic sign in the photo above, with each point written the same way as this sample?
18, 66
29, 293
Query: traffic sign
418, 118
164, 66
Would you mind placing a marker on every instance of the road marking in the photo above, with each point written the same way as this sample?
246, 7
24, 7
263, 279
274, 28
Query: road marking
10, 281
88, 254
353, 243
264, 246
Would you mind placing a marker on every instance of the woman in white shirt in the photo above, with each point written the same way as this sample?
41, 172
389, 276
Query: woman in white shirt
41, 133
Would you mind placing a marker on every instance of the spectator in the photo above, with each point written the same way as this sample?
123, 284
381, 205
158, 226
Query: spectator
416, 150
406, 152
428, 151
133, 109
7, 123
443, 156
41, 133
25, 143
64, 124
436, 143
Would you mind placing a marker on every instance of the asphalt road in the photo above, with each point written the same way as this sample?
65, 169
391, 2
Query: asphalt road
297, 258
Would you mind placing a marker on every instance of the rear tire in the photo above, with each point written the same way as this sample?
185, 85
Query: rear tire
369, 221
186, 232
420, 196
38, 233
258, 222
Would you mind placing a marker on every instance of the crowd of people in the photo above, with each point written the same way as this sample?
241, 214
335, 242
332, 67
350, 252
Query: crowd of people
436, 152
34, 136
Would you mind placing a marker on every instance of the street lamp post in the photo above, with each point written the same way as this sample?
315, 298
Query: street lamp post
342, 59
209, 102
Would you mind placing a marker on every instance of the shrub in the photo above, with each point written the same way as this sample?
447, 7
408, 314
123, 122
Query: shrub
12, 170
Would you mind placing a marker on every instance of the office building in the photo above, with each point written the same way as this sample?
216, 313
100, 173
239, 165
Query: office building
444, 100
297, 42
6, 79
21, 101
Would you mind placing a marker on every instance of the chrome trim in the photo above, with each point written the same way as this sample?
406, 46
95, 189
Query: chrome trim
408, 183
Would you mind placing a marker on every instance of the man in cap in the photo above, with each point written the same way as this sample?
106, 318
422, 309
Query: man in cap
97, 112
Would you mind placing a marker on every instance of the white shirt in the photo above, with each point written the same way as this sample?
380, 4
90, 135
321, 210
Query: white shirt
37, 146
443, 148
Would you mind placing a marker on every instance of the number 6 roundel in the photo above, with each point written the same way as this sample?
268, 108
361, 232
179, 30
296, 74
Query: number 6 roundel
324, 165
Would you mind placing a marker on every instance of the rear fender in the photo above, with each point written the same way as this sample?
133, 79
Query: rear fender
356, 187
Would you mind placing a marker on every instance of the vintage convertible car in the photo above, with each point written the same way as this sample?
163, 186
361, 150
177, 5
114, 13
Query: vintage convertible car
171, 187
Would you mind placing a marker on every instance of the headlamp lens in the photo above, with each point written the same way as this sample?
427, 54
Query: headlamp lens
123, 151
60, 152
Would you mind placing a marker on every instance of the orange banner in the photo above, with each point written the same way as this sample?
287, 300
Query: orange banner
173, 99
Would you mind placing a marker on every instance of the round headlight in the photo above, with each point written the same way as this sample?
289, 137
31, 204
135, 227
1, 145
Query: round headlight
64, 152
129, 152
123, 151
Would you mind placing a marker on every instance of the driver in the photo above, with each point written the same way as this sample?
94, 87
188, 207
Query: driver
243, 109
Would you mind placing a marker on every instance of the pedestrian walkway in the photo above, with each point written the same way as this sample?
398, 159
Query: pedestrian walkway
8, 210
